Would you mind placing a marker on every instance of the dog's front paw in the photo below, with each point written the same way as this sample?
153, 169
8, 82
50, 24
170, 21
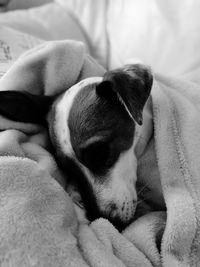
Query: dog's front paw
78, 204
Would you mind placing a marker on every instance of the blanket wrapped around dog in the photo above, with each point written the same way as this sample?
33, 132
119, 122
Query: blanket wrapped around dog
39, 226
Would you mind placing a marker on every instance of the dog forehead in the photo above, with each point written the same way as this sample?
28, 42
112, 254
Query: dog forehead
62, 108
91, 115
81, 114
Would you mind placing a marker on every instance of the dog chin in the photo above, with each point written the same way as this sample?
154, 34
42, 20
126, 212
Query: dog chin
119, 223
92, 207
118, 216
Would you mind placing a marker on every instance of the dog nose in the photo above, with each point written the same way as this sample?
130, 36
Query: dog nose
128, 210
123, 217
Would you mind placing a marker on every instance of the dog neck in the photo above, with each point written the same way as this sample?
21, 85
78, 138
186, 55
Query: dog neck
144, 133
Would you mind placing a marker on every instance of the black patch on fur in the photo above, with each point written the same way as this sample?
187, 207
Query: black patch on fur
24, 107
132, 83
77, 178
92, 115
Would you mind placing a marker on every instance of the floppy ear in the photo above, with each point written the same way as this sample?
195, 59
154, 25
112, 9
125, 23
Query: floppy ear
24, 107
131, 84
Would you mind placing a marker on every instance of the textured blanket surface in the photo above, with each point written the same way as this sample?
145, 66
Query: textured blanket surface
177, 126
39, 226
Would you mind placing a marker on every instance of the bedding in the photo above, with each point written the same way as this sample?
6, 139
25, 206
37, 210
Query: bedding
162, 34
118, 31
23, 4
38, 221
39, 225
53, 22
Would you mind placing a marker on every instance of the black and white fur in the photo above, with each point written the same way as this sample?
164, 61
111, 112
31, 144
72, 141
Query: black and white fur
95, 128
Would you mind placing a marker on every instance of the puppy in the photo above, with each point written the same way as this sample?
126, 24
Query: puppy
95, 129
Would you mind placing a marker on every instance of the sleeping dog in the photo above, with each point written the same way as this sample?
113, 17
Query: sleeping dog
99, 128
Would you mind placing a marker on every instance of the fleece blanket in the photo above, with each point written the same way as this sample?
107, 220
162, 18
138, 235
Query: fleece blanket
38, 222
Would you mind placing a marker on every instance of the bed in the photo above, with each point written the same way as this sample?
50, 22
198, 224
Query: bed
39, 224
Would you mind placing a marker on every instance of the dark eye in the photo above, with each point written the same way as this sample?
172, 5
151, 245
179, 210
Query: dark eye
96, 156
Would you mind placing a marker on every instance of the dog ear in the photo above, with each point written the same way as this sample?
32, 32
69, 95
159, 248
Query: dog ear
131, 84
24, 107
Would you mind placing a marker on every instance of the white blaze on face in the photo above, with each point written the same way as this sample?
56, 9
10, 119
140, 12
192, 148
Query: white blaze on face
120, 187
63, 107
118, 190
116, 193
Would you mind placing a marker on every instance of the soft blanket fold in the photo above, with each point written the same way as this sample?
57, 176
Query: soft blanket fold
38, 225
177, 128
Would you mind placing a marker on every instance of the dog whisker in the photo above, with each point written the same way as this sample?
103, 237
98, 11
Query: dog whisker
142, 201
141, 190
140, 137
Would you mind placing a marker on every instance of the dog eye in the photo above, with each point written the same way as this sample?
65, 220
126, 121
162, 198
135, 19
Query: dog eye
95, 156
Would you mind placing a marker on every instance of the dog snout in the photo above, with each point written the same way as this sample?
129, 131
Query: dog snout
128, 210
120, 215
120, 212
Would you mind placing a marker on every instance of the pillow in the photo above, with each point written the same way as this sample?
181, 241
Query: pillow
12, 45
163, 34
22, 4
92, 16
49, 22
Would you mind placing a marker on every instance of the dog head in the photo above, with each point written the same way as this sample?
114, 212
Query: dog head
93, 128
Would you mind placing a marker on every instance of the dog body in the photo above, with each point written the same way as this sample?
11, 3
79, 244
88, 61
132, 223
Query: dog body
99, 129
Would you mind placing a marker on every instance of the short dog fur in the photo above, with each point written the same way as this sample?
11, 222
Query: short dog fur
95, 129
